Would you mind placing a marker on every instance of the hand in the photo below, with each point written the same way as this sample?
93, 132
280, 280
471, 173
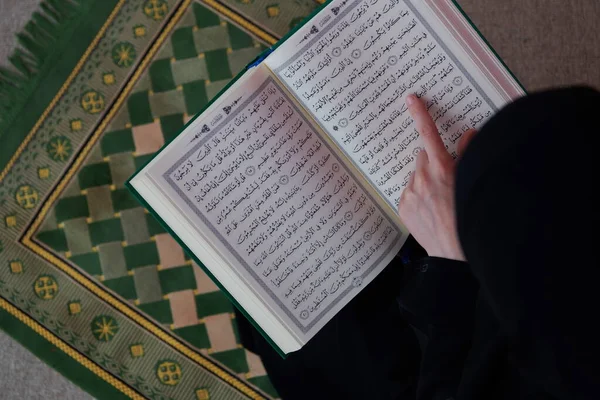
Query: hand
427, 204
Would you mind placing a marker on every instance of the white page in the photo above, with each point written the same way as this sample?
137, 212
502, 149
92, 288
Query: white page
256, 178
352, 67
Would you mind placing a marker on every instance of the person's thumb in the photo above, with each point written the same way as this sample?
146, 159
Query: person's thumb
465, 140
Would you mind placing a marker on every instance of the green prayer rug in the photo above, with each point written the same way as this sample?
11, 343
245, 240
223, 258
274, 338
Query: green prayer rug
89, 281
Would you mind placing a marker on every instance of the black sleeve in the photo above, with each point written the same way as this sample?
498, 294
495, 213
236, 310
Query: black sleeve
439, 298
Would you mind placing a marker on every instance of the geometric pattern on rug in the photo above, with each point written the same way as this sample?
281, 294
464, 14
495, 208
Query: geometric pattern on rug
81, 262
98, 225
275, 16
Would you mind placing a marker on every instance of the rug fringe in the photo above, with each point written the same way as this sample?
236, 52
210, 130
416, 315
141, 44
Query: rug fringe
36, 43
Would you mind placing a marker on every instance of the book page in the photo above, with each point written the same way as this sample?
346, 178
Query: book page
257, 180
352, 67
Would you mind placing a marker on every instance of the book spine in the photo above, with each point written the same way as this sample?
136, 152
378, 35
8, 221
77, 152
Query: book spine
261, 57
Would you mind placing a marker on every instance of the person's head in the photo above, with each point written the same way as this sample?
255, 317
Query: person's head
528, 214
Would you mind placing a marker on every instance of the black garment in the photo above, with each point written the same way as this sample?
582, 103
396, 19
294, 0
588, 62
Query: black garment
519, 323
367, 351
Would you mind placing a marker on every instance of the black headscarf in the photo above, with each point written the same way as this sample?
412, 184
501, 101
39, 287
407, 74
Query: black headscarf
528, 210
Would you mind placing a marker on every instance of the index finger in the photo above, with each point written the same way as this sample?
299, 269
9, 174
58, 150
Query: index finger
434, 146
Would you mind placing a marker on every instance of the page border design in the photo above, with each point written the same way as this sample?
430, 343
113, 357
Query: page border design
166, 176
418, 15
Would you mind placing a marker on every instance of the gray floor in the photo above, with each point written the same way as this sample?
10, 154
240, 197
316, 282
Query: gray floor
25, 377
545, 42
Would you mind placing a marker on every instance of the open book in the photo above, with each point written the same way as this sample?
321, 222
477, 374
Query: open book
285, 188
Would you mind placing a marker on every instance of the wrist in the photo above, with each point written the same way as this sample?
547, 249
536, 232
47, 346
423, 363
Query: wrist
450, 251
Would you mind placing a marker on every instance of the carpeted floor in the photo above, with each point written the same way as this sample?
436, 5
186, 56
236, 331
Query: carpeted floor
26, 377
15, 13
545, 42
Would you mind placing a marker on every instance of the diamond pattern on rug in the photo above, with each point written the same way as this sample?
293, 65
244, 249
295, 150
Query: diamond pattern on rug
277, 16
97, 224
